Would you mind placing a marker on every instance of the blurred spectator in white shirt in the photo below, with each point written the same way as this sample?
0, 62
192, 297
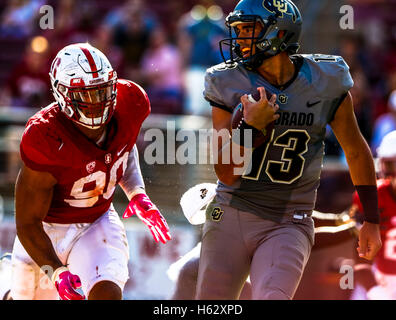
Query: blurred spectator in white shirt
385, 123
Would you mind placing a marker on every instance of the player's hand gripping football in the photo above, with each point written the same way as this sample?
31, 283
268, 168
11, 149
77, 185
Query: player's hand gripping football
66, 283
146, 211
259, 113
369, 240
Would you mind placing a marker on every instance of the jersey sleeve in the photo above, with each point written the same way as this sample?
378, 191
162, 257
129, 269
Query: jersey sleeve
212, 92
339, 83
134, 99
331, 79
35, 150
342, 73
143, 102
132, 177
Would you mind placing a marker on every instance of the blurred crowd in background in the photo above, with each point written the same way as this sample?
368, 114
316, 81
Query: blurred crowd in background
166, 46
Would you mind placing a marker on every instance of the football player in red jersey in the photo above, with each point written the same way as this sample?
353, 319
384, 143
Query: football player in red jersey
75, 151
384, 264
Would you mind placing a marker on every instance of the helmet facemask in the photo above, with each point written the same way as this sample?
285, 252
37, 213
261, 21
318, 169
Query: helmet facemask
89, 106
280, 23
84, 85
262, 45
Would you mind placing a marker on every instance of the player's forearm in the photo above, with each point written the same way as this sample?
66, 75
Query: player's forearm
37, 244
229, 165
361, 164
356, 149
33, 196
362, 171
132, 181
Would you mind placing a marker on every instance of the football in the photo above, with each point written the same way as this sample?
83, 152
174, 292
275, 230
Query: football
259, 137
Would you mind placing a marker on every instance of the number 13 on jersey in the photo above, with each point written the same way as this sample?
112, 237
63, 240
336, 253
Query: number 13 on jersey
289, 167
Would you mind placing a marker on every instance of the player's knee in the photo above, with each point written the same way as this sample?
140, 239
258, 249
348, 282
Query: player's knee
271, 293
105, 290
217, 287
189, 272
109, 281
117, 270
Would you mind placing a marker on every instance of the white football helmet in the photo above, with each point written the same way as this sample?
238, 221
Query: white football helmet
386, 154
84, 84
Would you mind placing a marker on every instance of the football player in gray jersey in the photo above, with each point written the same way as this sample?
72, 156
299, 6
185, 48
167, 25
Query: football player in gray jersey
260, 221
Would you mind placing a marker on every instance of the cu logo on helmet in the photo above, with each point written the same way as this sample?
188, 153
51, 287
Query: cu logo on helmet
274, 6
278, 6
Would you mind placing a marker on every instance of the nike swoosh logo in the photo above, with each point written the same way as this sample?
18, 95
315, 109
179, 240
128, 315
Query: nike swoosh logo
119, 152
310, 105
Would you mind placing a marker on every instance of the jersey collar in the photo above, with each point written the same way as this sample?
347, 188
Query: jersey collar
298, 62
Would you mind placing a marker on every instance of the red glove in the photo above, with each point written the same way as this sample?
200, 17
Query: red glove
142, 206
66, 283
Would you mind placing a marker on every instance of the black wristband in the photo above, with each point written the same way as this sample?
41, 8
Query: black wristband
368, 196
238, 134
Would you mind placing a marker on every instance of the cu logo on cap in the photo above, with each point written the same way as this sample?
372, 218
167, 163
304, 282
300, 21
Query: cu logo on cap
204, 192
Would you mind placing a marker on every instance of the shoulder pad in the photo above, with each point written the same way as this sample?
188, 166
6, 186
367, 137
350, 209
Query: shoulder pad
226, 83
39, 146
330, 74
131, 97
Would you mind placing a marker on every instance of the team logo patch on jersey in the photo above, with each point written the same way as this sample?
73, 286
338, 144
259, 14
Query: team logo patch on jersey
108, 158
91, 166
282, 98
216, 214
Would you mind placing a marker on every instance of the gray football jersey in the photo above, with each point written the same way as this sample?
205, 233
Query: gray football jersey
285, 172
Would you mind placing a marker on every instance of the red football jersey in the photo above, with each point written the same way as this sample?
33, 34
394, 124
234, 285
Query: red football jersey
86, 174
386, 257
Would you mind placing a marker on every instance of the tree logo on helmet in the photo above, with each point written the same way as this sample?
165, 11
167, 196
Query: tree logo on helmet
279, 7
